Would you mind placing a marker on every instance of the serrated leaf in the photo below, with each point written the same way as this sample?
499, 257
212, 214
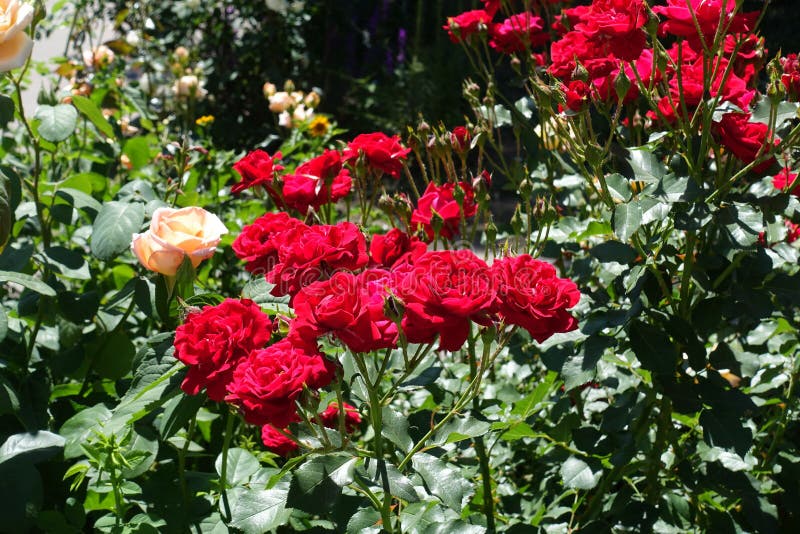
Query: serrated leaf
444, 481
529, 404
28, 281
653, 348
56, 123
113, 229
627, 219
577, 474
79, 428
459, 429
395, 428
365, 520
93, 113
619, 187
646, 166
241, 465
257, 511
32, 447
316, 484
258, 290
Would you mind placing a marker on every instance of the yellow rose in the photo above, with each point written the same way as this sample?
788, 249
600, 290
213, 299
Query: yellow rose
175, 233
15, 45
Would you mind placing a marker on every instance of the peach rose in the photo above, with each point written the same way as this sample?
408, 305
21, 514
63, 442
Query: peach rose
189, 86
99, 57
280, 102
174, 233
15, 45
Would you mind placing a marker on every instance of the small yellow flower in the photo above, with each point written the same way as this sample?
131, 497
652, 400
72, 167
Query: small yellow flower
319, 126
205, 120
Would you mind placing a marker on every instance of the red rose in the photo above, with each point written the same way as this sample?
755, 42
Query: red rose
277, 442
577, 93
395, 246
745, 140
319, 181
330, 417
573, 46
442, 292
267, 383
348, 306
518, 33
792, 231
460, 139
213, 341
530, 295
316, 253
441, 201
785, 179
615, 25
258, 244
681, 16
381, 153
791, 76
463, 26
257, 168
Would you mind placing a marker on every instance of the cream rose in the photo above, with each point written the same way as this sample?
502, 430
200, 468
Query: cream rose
175, 233
15, 45
99, 57
280, 102
189, 86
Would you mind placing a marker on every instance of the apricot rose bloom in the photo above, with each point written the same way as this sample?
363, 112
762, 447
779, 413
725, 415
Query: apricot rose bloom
175, 233
15, 45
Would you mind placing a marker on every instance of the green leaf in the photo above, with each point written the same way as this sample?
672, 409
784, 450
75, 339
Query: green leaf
138, 151
113, 229
365, 520
114, 354
93, 113
28, 281
3, 323
33, 447
627, 219
399, 485
528, 405
518, 431
258, 290
619, 187
56, 123
79, 200
576, 474
256, 511
78, 428
177, 412
444, 481
9, 400
725, 430
6, 110
653, 348
395, 428
614, 251
317, 483
69, 263
646, 166
459, 429
241, 465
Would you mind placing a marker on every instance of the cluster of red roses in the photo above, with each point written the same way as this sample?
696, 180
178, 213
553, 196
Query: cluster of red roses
600, 54
227, 352
517, 33
323, 179
367, 298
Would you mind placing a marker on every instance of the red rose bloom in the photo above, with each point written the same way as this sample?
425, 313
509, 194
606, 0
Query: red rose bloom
460, 139
573, 46
258, 244
316, 253
518, 33
745, 140
257, 168
680, 20
463, 26
785, 179
577, 93
348, 306
213, 341
792, 231
616, 26
277, 442
441, 201
381, 152
267, 383
319, 181
330, 417
394, 247
442, 292
791, 76
530, 295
